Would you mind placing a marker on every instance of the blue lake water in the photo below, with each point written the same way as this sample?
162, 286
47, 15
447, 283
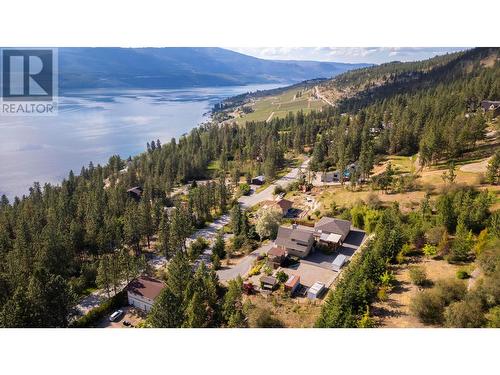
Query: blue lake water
93, 125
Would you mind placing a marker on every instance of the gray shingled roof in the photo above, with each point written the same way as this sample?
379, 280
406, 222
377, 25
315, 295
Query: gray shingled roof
331, 225
291, 238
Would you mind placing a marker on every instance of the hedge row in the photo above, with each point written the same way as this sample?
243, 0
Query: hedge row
96, 314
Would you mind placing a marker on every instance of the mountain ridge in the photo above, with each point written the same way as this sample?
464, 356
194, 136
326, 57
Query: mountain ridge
175, 67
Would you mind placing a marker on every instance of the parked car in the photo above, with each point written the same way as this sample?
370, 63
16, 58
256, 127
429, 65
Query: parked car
116, 315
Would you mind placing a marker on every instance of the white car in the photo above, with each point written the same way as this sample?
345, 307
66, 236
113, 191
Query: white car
116, 315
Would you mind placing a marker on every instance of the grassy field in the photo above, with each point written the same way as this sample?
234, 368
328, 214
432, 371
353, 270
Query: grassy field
470, 170
280, 105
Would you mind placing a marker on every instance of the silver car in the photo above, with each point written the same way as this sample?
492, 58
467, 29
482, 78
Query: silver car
116, 315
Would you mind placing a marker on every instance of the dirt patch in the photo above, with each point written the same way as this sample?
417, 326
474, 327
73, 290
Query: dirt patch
292, 312
395, 311
479, 167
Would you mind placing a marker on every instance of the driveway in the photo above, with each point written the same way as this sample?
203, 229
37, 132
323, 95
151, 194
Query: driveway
242, 268
352, 243
209, 233
130, 313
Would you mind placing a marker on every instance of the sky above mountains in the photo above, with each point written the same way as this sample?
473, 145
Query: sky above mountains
374, 55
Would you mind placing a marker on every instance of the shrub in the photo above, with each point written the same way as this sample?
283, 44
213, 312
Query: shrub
267, 270
373, 201
435, 234
281, 276
244, 189
462, 274
196, 247
428, 306
418, 276
430, 250
450, 290
464, 314
366, 321
382, 294
256, 269
387, 279
493, 317
405, 250
265, 319
278, 189
216, 262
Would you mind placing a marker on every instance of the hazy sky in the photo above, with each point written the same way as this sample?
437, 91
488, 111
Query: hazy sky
375, 55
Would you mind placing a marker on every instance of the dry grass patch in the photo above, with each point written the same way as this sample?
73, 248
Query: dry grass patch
395, 311
292, 312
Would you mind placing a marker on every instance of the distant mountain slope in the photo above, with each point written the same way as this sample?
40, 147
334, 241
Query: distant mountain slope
181, 67
360, 87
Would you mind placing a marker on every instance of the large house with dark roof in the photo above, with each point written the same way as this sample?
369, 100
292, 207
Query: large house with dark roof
295, 241
331, 232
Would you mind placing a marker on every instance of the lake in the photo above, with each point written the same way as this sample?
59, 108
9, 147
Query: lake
93, 125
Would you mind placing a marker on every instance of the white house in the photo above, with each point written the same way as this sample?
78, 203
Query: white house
141, 292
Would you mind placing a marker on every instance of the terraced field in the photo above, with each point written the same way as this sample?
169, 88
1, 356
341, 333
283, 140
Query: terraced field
293, 100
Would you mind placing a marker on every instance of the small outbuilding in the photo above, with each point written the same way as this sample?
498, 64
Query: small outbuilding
268, 282
316, 290
339, 262
259, 180
292, 284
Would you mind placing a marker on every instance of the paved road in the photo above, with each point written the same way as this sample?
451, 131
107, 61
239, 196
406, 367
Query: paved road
267, 194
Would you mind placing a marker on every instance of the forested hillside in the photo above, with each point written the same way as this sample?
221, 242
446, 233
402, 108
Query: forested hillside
58, 241
181, 67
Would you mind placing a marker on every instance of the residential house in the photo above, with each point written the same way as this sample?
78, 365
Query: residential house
295, 241
259, 180
142, 292
491, 105
281, 205
330, 176
135, 193
331, 232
